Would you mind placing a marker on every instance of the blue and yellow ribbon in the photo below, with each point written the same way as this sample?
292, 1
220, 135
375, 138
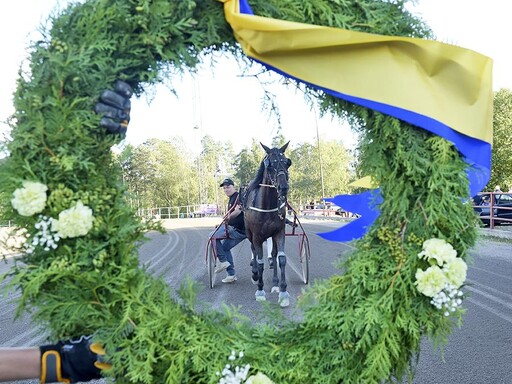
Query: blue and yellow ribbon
442, 88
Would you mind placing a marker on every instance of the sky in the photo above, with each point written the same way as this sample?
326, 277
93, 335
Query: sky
228, 106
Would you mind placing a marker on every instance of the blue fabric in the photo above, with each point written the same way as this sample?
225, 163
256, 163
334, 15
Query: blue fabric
245, 7
364, 204
477, 154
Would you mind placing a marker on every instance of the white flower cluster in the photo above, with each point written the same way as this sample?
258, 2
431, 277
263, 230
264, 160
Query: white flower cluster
448, 299
73, 222
444, 277
44, 237
239, 375
30, 199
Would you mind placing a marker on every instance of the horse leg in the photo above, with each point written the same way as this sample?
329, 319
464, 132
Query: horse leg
254, 264
275, 278
257, 271
284, 296
270, 252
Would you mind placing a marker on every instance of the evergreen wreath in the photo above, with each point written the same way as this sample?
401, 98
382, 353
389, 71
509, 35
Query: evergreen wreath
363, 326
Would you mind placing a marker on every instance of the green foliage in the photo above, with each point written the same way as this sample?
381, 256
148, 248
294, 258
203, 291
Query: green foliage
306, 172
162, 174
248, 161
364, 326
501, 171
159, 173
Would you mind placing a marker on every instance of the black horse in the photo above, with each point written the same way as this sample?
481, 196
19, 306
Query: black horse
265, 214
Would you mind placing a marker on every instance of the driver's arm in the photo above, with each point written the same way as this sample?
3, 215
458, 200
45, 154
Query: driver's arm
19, 364
236, 211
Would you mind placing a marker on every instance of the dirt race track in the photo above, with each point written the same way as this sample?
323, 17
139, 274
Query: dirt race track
479, 352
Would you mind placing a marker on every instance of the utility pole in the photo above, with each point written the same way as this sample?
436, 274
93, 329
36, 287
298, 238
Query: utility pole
217, 205
319, 154
198, 125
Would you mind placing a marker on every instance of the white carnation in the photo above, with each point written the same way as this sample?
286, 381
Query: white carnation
431, 281
30, 199
259, 378
73, 222
438, 250
455, 272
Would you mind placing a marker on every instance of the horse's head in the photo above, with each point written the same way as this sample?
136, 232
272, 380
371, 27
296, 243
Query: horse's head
276, 167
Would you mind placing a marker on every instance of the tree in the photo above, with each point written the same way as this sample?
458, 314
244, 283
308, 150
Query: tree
158, 174
305, 175
501, 170
214, 161
138, 172
278, 140
248, 161
337, 169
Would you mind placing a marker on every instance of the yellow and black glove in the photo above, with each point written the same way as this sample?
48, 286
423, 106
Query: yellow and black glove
115, 108
72, 361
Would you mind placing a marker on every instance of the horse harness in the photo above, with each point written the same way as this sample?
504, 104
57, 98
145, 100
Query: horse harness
281, 169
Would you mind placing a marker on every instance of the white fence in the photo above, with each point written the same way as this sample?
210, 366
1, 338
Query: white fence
181, 212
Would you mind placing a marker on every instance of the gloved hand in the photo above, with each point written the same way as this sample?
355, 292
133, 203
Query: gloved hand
115, 107
71, 361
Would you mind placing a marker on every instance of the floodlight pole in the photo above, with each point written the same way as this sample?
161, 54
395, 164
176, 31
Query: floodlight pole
319, 154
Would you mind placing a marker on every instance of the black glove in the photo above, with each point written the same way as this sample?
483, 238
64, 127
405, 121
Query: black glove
115, 107
71, 361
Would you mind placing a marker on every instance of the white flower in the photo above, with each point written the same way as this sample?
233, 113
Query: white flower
455, 272
431, 281
73, 222
236, 375
259, 378
441, 284
30, 199
45, 237
448, 299
438, 250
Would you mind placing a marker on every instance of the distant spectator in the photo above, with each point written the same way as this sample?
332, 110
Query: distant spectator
481, 200
497, 189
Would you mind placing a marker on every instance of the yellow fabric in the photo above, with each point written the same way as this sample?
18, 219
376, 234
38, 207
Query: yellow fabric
450, 84
364, 182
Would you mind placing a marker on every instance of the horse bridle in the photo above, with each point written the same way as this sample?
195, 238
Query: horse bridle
279, 170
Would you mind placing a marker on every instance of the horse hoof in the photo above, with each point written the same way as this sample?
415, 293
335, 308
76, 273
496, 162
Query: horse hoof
274, 290
255, 282
260, 296
284, 299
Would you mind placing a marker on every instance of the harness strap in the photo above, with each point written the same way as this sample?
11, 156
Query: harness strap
267, 185
267, 210
263, 210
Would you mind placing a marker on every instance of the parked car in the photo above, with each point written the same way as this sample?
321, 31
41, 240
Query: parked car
501, 208
323, 209
327, 209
